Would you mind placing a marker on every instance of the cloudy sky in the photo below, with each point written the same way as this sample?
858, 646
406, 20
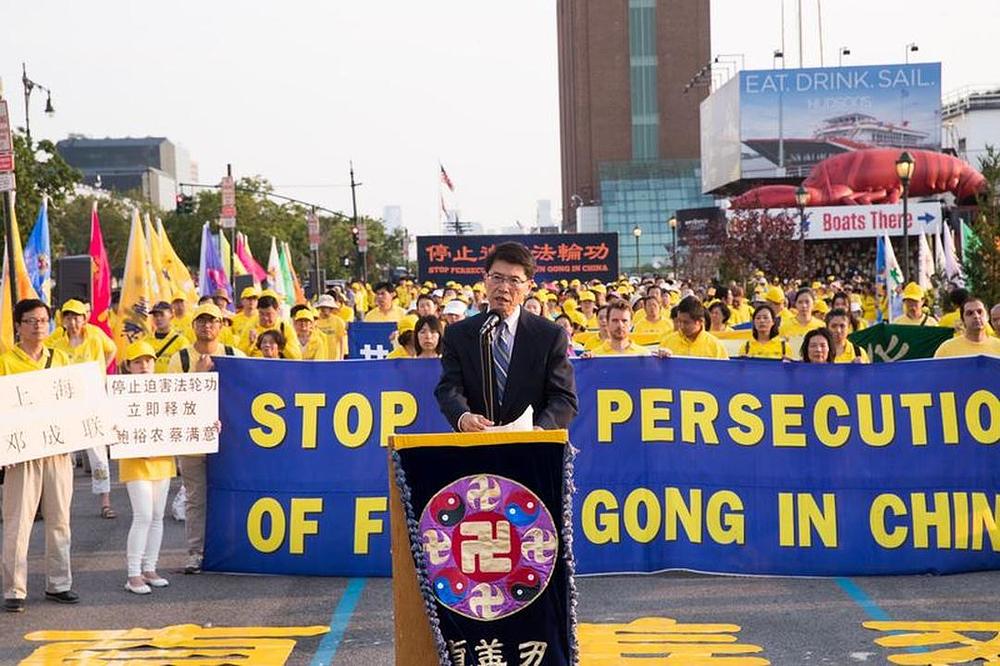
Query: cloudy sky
294, 90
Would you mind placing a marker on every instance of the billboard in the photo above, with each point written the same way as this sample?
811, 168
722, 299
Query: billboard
461, 258
791, 119
703, 228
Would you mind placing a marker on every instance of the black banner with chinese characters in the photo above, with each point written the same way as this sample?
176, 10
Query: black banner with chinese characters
557, 256
489, 519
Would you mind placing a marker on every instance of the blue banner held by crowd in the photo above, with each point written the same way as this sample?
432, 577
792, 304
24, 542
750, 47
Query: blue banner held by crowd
750, 468
369, 340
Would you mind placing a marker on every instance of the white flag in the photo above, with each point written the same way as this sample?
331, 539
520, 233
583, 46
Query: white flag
939, 260
925, 263
893, 280
274, 274
952, 269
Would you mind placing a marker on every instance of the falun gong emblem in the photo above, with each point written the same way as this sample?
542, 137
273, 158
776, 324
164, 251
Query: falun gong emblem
490, 546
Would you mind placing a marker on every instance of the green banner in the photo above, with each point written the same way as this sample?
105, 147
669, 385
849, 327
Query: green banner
886, 343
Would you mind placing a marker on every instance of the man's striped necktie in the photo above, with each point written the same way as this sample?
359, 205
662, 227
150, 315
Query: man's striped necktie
501, 359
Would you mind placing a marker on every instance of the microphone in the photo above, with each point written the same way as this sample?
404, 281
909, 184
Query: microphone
492, 319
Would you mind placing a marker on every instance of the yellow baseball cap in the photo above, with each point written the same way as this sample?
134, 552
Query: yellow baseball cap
210, 309
774, 294
138, 349
820, 306
599, 288
913, 291
407, 323
250, 292
305, 313
587, 296
74, 306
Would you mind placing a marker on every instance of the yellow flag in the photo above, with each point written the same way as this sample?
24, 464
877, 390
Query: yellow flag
24, 288
136, 292
163, 287
180, 278
226, 253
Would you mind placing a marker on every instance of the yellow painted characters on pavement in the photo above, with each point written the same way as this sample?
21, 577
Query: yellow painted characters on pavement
177, 644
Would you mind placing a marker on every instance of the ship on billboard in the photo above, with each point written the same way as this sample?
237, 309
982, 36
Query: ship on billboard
778, 124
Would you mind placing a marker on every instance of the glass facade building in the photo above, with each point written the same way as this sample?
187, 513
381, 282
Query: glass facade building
646, 194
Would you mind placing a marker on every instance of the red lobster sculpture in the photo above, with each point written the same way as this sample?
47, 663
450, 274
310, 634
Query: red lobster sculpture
869, 176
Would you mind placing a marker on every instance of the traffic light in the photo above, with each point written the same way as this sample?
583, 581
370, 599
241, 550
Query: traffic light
354, 233
185, 204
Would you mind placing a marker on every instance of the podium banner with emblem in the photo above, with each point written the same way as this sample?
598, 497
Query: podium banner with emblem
489, 523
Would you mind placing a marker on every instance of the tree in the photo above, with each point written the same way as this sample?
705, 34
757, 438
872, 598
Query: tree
981, 258
40, 170
757, 240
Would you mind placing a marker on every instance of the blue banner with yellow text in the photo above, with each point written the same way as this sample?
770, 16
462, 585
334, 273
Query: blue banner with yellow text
721, 466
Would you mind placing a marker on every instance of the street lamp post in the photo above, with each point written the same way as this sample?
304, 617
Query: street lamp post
673, 233
29, 86
843, 51
637, 232
802, 200
904, 170
911, 48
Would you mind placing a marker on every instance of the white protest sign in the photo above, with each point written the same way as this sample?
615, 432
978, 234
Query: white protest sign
863, 221
164, 415
48, 412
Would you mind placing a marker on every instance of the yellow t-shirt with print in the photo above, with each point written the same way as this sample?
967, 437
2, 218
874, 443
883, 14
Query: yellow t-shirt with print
705, 345
775, 348
604, 349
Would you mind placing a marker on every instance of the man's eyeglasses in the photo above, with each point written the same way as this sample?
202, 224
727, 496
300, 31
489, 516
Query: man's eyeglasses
512, 280
31, 321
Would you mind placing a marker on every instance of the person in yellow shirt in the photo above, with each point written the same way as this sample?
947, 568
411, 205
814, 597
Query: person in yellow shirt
198, 358
619, 326
82, 345
600, 336
588, 308
405, 338
247, 314
975, 340
803, 320
719, 316
182, 315
147, 481
691, 338
428, 337
167, 339
385, 309
314, 343
775, 297
332, 326
765, 341
838, 322
269, 319
46, 481
654, 322
741, 311
913, 314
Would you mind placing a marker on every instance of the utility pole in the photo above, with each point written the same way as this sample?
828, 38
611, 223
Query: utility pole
362, 247
7, 184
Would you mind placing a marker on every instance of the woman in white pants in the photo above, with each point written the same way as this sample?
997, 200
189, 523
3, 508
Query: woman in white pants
147, 481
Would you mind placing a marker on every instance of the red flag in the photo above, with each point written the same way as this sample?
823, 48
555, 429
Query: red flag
445, 179
100, 276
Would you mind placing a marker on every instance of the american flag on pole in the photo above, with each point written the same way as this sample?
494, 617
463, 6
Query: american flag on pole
445, 180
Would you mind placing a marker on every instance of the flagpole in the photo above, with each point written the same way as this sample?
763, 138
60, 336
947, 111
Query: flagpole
232, 252
9, 231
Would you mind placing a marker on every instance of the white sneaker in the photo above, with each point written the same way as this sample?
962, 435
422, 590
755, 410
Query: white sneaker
139, 589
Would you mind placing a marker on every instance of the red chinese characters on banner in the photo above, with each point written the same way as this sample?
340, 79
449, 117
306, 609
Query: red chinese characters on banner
567, 255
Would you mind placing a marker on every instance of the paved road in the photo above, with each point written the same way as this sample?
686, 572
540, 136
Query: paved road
794, 621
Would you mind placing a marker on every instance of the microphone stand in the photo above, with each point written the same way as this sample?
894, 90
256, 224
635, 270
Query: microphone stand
486, 358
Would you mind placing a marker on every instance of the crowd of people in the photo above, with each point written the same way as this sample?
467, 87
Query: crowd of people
649, 315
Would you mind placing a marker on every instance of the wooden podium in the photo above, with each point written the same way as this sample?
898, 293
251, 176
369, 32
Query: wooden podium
414, 641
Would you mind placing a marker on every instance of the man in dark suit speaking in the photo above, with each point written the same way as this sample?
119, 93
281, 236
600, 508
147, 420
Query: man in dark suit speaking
527, 355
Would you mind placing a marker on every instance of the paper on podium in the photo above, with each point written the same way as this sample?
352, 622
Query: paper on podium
522, 423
